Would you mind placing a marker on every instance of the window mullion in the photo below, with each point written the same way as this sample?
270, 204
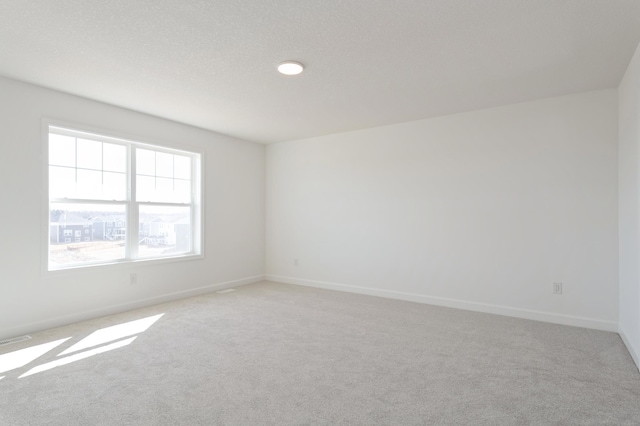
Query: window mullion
85, 201
132, 208
195, 227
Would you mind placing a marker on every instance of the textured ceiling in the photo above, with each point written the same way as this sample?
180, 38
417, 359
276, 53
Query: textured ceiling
211, 63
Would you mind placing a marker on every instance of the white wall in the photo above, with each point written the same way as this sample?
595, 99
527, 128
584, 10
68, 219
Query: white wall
629, 190
31, 299
481, 210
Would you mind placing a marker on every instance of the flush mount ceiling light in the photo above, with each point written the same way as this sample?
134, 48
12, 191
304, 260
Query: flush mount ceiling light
290, 68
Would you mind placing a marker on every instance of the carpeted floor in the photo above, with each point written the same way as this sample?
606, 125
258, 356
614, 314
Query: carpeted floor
277, 354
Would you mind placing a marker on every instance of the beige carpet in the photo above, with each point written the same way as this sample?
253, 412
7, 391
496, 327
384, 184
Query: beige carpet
276, 354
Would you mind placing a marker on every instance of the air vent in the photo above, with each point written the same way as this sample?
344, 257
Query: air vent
14, 340
229, 290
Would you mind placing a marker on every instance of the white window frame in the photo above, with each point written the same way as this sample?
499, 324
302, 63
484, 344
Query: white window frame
131, 255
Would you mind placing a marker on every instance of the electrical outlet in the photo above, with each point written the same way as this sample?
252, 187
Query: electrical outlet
557, 288
133, 279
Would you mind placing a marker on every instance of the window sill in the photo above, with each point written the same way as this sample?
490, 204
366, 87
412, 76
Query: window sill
122, 264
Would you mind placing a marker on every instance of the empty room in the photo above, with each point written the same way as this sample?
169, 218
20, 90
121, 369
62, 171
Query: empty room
297, 212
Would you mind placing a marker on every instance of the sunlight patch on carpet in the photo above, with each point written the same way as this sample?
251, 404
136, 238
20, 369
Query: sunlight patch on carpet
22, 357
115, 332
77, 357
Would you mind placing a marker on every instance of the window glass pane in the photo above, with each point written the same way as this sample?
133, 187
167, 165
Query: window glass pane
89, 184
182, 191
182, 167
86, 233
164, 164
114, 157
145, 162
146, 188
62, 150
62, 182
164, 231
89, 154
164, 190
114, 186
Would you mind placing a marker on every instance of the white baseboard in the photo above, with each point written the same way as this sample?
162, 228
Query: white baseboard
36, 326
635, 354
459, 304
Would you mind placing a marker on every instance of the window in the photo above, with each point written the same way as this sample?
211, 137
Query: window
120, 200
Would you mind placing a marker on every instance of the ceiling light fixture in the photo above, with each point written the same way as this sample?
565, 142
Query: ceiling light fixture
290, 68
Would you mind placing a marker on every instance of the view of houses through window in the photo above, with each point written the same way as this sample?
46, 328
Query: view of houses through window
84, 233
98, 213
